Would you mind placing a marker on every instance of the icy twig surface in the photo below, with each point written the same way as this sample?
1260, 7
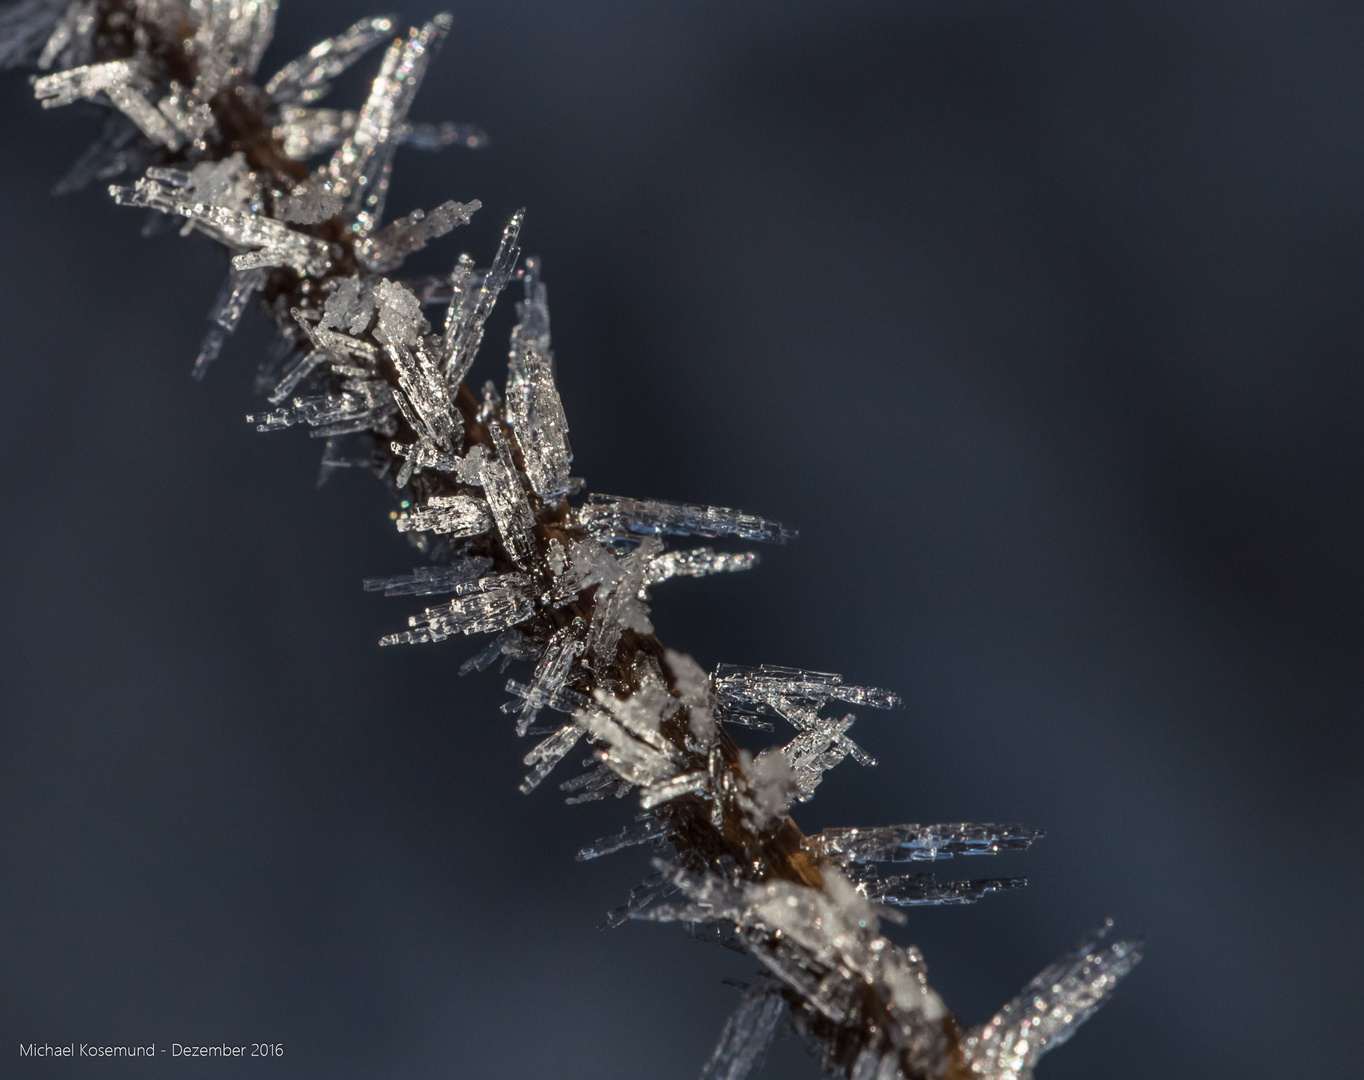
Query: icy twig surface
296, 192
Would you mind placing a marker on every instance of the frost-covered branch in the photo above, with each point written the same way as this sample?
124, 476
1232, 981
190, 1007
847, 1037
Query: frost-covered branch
370, 363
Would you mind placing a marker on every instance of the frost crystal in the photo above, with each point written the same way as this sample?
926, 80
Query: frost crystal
486, 494
748, 1032
488, 604
1049, 1009
614, 520
432, 580
453, 515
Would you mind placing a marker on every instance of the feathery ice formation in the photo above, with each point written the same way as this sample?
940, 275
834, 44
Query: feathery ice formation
296, 193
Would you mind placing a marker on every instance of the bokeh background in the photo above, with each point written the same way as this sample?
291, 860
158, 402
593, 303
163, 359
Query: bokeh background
1041, 321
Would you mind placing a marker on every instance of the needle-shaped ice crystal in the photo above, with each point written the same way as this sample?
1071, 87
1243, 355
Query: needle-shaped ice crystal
1049, 1009
361, 166
25, 28
401, 329
450, 515
386, 249
549, 752
918, 843
305, 132
238, 289
748, 688
533, 406
748, 1032
507, 498
924, 890
73, 37
484, 606
123, 83
309, 77
432, 580
614, 519
629, 729
470, 307
551, 672
696, 562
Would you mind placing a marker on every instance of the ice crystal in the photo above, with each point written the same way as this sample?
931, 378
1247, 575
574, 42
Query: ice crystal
485, 491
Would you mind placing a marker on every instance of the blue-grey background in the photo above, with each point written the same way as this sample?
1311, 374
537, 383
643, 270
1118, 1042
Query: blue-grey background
1040, 320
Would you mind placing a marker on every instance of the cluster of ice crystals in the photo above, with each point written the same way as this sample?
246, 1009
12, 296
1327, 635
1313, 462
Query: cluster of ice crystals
452, 515
482, 606
484, 484
797, 696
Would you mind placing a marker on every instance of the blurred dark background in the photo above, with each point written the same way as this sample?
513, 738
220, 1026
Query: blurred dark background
1040, 320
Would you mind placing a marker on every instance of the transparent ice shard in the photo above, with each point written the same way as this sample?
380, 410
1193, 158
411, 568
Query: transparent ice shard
748, 688
342, 453
918, 843
423, 454
122, 83
696, 782
119, 150
73, 37
509, 645
278, 244
614, 519
1049, 1009
432, 580
642, 832
551, 672
386, 249
923, 890
534, 409
438, 136
470, 308
617, 608
696, 562
548, 753
401, 328
602, 782
360, 168
229, 42
748, 1032
25, 27
450, 515
309, 77
306, 132
542, 429
226, 313
507, 499
484, 606
362, 405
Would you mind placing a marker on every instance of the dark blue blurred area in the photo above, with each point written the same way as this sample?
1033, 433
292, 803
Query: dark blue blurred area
1041, 321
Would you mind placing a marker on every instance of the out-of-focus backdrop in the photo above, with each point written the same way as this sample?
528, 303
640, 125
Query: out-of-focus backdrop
1041, 321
